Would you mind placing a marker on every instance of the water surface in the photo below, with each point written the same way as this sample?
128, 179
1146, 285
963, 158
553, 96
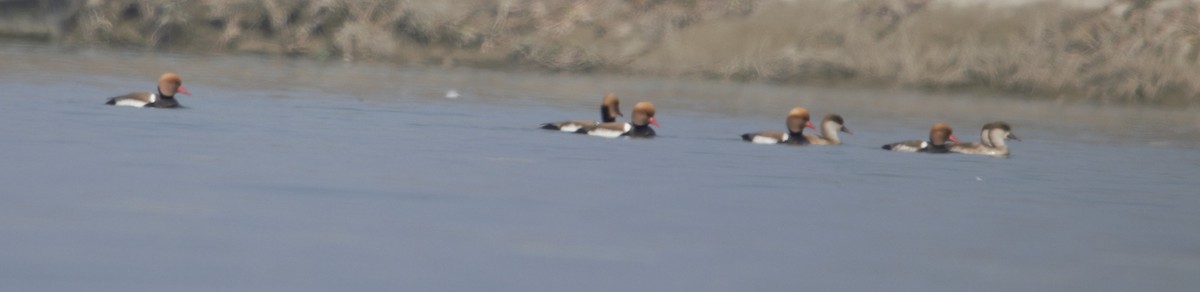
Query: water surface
294, 175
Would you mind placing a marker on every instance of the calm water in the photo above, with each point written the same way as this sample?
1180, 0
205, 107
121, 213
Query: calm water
294, 175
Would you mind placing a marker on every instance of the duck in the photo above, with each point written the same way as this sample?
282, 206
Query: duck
992, 138
169, 84
610, 109
938, 135
638, 126
972, 146
831, 124
797, 120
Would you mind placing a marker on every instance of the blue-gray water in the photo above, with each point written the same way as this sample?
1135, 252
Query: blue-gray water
289, 175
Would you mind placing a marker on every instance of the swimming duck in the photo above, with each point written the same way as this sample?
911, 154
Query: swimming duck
638, 126
168, 85
797, 120
992, 138
938, 135
610, 109
830, 126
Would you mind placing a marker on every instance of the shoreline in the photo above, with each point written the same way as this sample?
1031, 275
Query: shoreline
1102, 54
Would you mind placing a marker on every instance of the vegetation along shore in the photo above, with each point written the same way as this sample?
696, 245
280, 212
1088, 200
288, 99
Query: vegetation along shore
1119, 52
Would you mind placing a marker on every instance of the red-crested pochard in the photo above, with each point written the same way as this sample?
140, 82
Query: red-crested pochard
610, 109
797, 120
991, 141
938, 135
168, 85
638, 126
830, 126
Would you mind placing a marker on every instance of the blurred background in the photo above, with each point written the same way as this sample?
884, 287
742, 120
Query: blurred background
379, 145
1110, 52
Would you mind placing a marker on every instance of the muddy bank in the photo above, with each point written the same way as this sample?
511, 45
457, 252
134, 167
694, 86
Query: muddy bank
1125, 52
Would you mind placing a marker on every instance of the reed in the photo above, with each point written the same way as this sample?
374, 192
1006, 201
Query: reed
1124, 52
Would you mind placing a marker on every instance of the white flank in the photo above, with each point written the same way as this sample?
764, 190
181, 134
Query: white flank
131, 102
606, 133
901, 147
569, 127
452, 94
764, 140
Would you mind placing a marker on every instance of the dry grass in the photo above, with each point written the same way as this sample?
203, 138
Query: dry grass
1128, 52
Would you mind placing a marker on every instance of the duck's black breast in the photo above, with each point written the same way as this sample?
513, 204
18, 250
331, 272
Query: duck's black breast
165, 102
643, 131
796, 138
936, 149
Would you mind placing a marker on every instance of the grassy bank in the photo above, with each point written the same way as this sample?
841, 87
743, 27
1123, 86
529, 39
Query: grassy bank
1127, 52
